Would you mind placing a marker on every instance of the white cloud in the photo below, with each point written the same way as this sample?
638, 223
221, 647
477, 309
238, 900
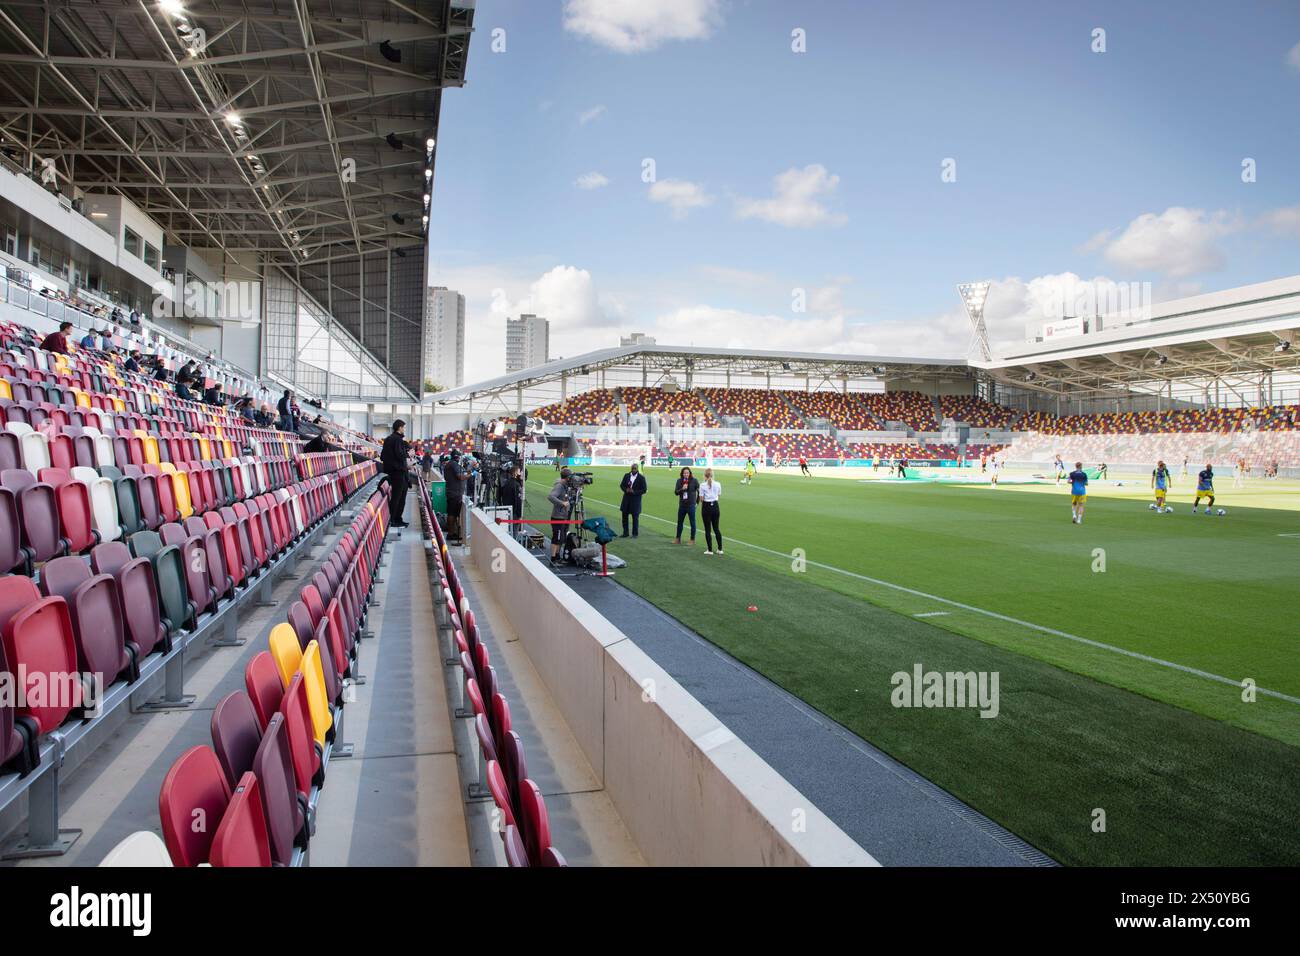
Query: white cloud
1293, 58
798, 200
586, 116
681, 196
637, 26
592, 180
1284, 221
1177, 242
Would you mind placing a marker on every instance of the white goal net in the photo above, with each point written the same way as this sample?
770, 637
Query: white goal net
619, 454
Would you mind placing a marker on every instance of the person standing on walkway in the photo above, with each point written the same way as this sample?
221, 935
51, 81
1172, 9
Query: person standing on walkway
710, 492
687, 493
393, 459
633, 487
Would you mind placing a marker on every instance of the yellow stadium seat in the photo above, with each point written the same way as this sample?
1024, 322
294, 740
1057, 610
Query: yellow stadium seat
83, 400
5, 390
205, 448
118, 404
313, 673
286, 652
182, 485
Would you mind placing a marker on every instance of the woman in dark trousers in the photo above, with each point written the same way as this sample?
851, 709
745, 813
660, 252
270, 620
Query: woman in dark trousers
687, 492
710, 492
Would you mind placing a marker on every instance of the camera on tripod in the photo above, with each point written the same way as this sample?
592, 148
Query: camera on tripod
577, 479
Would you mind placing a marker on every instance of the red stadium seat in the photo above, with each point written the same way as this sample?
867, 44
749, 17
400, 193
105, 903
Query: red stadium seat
241, 838
191, 804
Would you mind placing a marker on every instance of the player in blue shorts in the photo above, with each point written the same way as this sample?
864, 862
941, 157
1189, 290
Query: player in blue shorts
1078, 492
1160, 484
1205, 488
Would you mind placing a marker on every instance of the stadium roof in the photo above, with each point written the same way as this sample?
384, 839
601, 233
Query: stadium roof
1233, 336
687, 360
236, 125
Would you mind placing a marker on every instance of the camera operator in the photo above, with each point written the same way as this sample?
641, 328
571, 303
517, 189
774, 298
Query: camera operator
453, 472
561, 499
511, 492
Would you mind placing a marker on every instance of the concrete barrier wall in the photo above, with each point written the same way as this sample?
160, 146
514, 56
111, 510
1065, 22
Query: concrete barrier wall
689, 791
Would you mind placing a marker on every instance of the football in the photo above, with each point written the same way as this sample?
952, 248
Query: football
1221, 512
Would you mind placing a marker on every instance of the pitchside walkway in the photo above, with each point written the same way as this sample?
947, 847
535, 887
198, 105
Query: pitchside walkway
895, 814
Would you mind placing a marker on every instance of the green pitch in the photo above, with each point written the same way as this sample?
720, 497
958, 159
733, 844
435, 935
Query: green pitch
1149, 664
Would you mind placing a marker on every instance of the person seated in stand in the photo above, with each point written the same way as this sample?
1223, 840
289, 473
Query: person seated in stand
58, 341
132, 363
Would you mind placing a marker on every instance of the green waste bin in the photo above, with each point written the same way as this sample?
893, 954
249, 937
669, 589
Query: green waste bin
438, 495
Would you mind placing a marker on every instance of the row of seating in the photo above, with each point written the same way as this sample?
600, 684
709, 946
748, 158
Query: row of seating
759, 407
88, 622
259, 782
525, 826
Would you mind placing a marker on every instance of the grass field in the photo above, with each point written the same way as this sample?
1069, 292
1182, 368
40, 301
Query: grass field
1121, 644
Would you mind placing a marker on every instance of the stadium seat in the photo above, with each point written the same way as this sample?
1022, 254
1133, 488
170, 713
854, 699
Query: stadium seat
17, 737
516, 852
170, 578
103, 502
286, 651
140, 609
284, 806
307, 766
236, 734
552, 857
39, 639
191, 804
241, 838
93, 607
322, 719
142, 848
72, 499
496, 782
12, 555
536, 824
262, 681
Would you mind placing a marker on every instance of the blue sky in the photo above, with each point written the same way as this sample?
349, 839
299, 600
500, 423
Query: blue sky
820, 171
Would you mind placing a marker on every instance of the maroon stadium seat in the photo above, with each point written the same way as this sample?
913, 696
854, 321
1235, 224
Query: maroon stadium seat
235, 734
95, 611
536, 824
516, 852
12, 554
285, 808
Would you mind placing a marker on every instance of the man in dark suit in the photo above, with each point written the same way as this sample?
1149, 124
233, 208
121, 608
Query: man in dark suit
633, 487
393, 459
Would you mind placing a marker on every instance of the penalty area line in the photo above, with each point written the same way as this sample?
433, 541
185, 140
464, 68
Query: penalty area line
1005, 618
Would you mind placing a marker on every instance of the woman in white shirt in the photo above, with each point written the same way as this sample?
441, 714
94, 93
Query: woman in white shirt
710, 492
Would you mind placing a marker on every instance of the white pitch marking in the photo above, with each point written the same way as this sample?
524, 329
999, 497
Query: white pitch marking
931, 614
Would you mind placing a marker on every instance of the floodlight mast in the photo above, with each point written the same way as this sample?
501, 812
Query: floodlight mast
973, 296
